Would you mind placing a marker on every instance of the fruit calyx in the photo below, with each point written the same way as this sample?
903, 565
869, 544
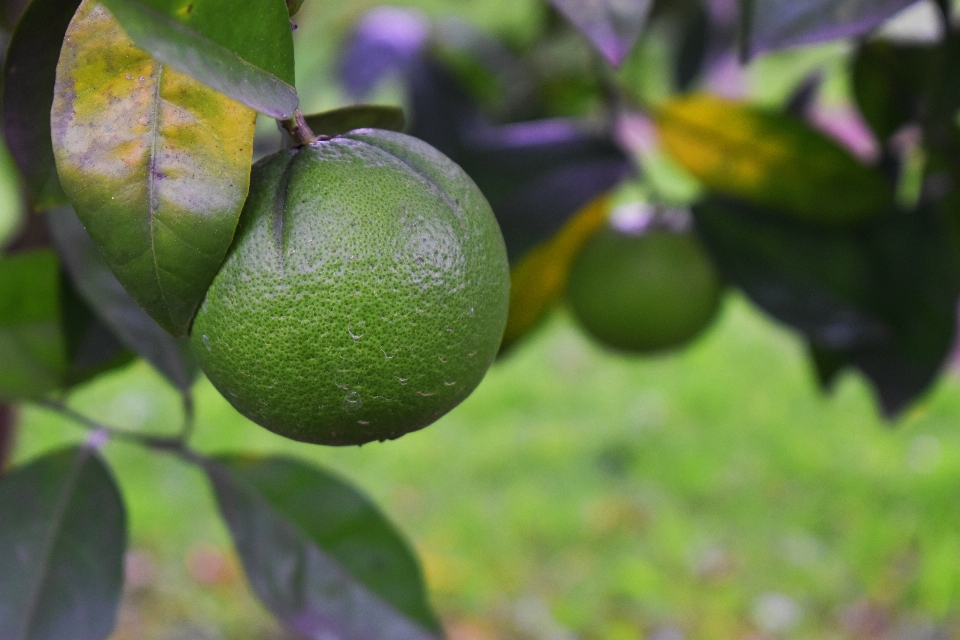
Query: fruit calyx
300, 131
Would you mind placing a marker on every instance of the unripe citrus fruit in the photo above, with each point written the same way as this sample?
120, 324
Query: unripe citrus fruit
365, 293
644, 292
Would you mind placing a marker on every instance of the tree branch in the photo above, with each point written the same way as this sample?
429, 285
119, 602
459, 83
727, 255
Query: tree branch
160, 443
299, 130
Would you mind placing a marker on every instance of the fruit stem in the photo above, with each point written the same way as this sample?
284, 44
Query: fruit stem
299, 130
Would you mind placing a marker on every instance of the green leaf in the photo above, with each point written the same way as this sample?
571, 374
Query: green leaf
246, 54
92, 348
881, 297
33, 354
770, 159
293, 6
29, 73
113, 305
62, 543
360, 116
156, 165
319, 554
889, 84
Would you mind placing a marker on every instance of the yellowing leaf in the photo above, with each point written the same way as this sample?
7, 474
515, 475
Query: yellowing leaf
538, 281
156, 164
770, 159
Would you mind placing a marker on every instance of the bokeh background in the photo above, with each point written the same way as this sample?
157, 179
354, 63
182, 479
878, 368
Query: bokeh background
711, 493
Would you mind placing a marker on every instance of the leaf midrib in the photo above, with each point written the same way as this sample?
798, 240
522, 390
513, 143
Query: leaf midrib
53, 533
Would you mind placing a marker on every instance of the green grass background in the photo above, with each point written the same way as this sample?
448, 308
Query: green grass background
580, 493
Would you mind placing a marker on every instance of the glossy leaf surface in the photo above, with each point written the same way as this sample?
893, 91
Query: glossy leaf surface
247, 55
319, 554
112, 304
612, 26
156, 164
538, 281
62, 552
361, 116
33, 355
29, 73
775, 24
770, 159
881, 298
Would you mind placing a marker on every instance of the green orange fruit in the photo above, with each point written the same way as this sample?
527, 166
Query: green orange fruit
644, 292
364, 296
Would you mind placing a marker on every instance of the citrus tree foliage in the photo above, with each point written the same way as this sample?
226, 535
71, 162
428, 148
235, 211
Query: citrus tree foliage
131, 127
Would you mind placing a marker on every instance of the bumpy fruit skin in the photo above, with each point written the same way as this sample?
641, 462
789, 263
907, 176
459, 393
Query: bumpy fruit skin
644, 293
365, 294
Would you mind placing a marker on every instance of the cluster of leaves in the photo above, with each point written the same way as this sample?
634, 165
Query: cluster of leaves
131, 124
835, 248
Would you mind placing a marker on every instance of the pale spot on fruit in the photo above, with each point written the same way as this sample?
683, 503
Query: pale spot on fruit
352, 401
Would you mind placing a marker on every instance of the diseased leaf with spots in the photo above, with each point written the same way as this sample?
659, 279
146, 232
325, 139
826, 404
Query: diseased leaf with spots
771, 159
156, 165
246, 54
538, 281
29, 72
62, 550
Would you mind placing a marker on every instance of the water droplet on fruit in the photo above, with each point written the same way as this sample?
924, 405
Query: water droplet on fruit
352, 401
206, 342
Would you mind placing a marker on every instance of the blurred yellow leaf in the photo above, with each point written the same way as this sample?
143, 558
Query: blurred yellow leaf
538, 281
771, 159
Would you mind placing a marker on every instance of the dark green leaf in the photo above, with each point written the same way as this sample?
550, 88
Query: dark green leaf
91, 346
62, 543
33, 355
881, 297
29, 73
360, 116
113, 305
888, 82
319, 554
156, 165
293, 6
612, 26
776, 24
246, 54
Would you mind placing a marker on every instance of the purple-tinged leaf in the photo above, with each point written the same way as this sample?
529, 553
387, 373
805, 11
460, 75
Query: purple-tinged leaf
319, 554
612, 26
29, 73
62, 540
881, 298
776, 24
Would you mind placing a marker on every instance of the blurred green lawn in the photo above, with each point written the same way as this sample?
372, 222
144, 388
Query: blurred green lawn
580, 493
